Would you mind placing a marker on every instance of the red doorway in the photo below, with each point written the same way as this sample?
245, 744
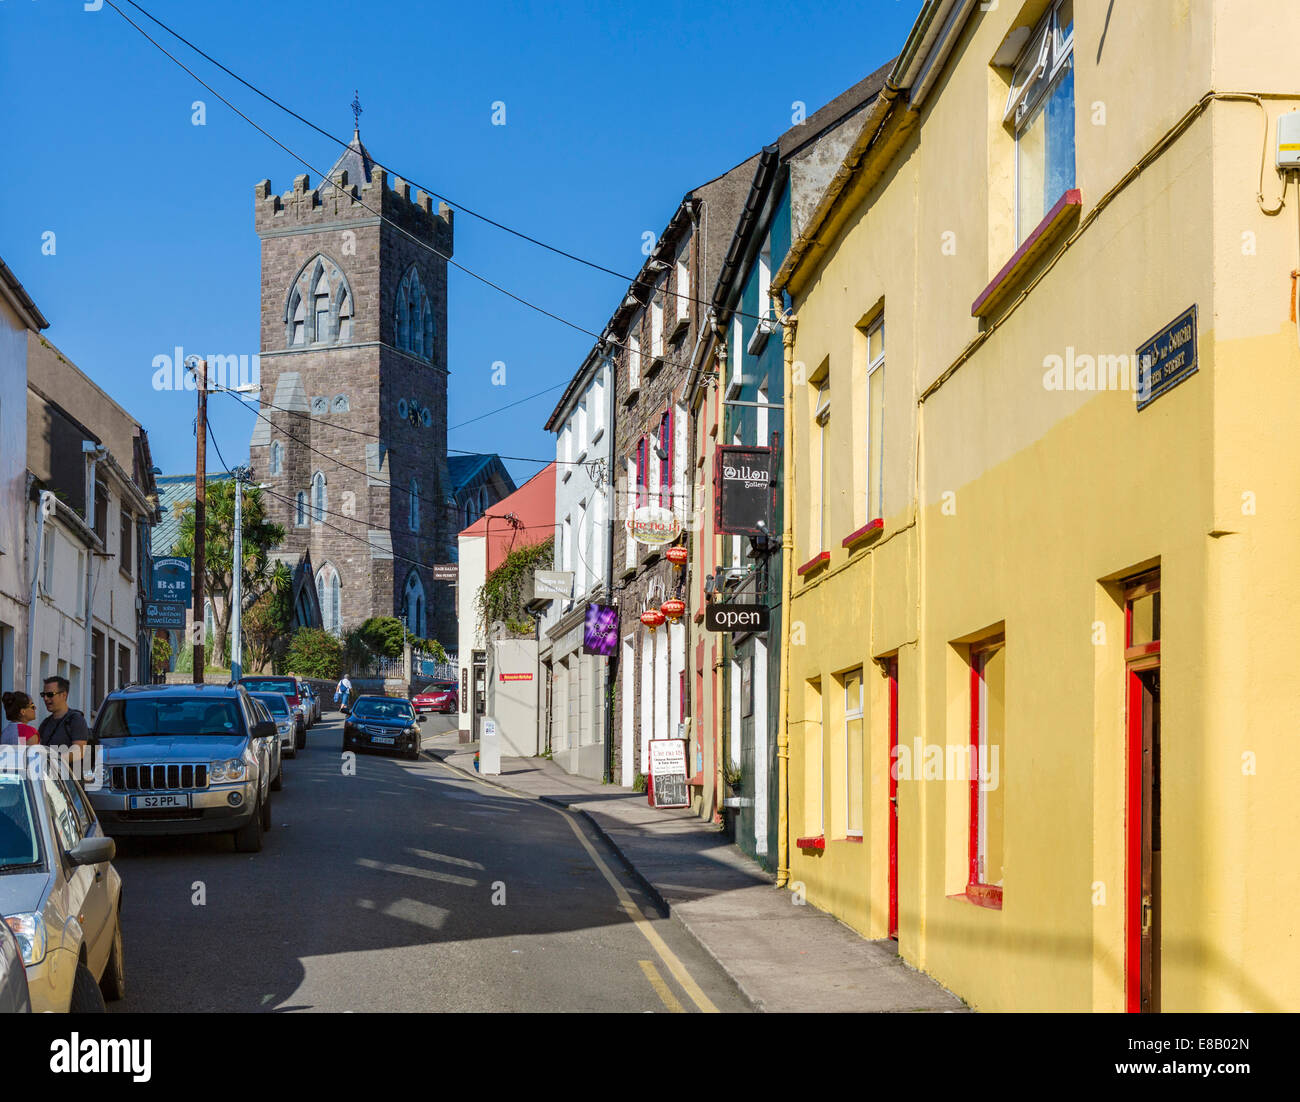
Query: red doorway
891, 672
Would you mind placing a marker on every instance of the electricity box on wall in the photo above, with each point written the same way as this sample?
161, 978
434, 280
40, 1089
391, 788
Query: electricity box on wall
1288, 140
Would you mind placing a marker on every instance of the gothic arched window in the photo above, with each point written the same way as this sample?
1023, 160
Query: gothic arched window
413, 316
329, 592
413, 604
413, 511
319, 307
319, 502
277, 458
300, 510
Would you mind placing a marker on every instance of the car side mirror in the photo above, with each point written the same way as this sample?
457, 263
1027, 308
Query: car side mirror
93, 851
264, 729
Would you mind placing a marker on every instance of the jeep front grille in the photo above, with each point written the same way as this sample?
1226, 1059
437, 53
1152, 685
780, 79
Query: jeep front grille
152, 778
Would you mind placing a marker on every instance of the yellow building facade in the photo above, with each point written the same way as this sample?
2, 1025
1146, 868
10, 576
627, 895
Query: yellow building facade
1046, 501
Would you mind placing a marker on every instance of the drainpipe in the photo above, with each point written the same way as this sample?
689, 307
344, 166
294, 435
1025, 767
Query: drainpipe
789, 324
45, 506
93, 453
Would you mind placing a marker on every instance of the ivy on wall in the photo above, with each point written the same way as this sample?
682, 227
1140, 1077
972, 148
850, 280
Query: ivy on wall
510, 585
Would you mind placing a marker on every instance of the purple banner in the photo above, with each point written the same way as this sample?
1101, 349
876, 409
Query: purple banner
601, 633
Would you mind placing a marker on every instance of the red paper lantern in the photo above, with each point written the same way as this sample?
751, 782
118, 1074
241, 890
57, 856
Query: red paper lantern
673, 609
652, 618
677, 556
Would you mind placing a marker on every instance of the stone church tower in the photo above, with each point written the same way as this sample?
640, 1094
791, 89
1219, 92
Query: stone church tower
352, 441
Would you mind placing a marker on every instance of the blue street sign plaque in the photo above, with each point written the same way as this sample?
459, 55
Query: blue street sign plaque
1167, 359
171, 580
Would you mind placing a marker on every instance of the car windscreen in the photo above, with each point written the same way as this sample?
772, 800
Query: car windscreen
169, 716
383, 709
20, 845
270, 685
275, 703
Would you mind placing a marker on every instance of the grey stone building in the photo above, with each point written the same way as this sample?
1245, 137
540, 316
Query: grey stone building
352, 433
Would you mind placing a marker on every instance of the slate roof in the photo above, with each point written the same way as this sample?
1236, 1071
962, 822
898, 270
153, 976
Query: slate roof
175, 494
355, 160
463, 469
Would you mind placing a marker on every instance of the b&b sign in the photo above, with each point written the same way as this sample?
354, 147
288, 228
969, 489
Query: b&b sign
171, 580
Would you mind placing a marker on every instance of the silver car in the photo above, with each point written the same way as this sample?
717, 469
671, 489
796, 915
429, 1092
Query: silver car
279, 712
186, 759
59, 892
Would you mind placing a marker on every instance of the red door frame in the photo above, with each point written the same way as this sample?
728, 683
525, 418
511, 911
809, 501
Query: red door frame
1138, 660
891, 671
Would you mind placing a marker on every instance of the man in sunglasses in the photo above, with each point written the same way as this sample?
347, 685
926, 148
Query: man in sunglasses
64, 726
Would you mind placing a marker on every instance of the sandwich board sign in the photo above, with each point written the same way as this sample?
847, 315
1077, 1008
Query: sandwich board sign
668, 773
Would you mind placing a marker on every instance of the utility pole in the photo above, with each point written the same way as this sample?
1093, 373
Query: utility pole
241, 475
199, 626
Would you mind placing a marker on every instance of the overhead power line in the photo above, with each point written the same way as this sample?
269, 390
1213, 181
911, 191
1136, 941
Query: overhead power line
423, 187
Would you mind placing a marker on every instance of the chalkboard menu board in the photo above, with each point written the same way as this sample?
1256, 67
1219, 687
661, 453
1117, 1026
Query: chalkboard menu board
668, 773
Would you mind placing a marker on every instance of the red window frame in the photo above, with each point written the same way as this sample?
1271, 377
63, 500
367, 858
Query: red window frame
977, 891
666, 465
641, 472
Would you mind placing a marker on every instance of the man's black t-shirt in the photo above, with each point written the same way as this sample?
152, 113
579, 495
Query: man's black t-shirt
64, 731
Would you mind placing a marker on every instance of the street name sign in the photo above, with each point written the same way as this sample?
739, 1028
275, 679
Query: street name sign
737, 618
1167, 359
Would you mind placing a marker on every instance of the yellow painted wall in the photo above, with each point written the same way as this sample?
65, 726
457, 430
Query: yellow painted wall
1009, 503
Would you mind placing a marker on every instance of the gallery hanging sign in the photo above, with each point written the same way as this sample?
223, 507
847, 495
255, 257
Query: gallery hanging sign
600, 633
744, 483
654, 525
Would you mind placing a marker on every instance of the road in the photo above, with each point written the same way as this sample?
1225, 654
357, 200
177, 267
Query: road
401, 886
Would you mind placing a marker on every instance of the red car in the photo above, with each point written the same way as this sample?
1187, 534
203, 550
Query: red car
439, 697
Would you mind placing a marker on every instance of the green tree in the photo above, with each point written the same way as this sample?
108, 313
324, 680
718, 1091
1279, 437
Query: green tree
267, 619
261, 537
160, 653
384, 635
314, 652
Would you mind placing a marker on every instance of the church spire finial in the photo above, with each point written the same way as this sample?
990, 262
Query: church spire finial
356, 110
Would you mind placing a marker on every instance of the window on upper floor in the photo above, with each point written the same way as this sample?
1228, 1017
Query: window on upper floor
125, 543
1040, 109
300, 510
277, 458
735, 355
583, 428
413, 317
101, 512
822, 421
318, 306
633, 363
765, 278
413, 509
683, 287
319, 499
876, 420
656, 326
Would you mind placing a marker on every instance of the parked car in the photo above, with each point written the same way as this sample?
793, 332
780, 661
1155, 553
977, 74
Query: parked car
312, 699
383, 721
186, 759
59, 892
14, 998
279, 713
438, 697
288, 686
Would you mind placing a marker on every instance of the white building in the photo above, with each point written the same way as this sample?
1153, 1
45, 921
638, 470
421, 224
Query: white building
18, 317
88, 523
574, 723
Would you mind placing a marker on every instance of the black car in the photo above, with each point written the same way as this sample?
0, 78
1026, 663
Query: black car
386, 722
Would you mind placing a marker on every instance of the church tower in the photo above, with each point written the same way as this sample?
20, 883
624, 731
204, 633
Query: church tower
352, 437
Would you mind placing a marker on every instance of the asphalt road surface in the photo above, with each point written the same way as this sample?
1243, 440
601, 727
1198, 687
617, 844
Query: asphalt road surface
402, 886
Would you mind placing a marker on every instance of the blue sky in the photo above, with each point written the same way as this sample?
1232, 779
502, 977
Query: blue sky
612, 112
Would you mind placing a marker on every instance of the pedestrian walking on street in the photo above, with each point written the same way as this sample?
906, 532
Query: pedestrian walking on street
64, 726
16, 729
342, 693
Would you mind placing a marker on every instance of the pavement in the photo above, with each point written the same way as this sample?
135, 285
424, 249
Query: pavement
785, 958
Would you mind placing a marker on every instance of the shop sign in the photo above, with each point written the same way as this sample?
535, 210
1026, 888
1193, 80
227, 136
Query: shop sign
654, 525
164, 614
1167, 359
745, 485
668, 773
600, 632
737, 618
172, 579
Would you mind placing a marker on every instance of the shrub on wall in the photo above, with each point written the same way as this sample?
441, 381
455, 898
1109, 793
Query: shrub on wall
314, 652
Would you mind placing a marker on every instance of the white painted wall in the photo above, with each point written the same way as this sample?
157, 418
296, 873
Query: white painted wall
472, 572
14, 576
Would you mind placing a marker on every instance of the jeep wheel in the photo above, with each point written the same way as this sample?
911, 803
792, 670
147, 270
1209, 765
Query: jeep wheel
248, 838
278, 782
87, 998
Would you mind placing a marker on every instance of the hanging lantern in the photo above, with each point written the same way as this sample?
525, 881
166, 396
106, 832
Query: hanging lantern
677, 556
673, 609
652, 618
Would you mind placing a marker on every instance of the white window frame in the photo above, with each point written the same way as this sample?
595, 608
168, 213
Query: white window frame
633, 363
683, 289
656, 327
822, 417
858, 712
1047, 54
874, 474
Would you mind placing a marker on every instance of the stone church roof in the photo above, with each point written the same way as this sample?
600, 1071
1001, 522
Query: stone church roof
355, 161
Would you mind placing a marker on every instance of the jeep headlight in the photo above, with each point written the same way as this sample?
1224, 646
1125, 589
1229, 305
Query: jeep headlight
232, 770
29, 930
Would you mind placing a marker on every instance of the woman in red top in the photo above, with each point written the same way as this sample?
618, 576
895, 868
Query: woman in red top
20, 714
